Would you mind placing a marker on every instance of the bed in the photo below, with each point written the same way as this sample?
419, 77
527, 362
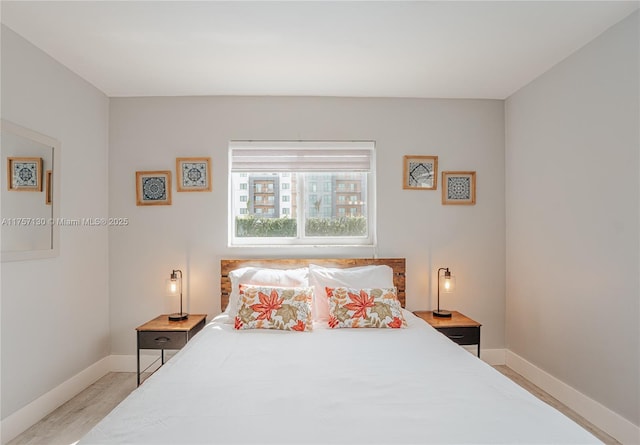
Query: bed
329, 386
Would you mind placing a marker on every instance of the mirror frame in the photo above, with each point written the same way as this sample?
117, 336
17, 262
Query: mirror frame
54, 251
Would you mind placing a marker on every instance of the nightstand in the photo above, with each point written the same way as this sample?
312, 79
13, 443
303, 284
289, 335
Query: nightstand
459, 328
160, 333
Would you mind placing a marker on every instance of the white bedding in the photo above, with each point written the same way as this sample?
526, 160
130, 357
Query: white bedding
339, 386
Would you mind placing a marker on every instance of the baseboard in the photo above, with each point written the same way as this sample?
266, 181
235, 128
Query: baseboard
22, 419
32, 413
127, 363
490, 356
493, 356
610, 422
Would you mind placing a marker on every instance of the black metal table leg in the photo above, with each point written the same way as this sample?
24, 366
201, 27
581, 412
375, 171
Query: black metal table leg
138, 348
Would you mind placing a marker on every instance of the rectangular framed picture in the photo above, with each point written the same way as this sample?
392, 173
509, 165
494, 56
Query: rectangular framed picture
194, 174
458, 188
24, 174
153, 188
48, 187
420, 173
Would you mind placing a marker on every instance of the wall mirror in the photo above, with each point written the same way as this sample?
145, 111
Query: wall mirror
30, 194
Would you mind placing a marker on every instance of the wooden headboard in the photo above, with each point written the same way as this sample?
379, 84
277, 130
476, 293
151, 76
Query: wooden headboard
226, 266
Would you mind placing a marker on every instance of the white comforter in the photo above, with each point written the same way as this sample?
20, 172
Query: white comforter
330, 386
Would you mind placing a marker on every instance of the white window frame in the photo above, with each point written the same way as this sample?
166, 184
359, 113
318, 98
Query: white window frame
301, 239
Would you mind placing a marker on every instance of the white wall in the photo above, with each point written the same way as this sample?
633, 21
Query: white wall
55, 312
149, 133
572, 206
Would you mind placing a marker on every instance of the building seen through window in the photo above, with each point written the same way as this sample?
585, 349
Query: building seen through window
301, 193
274, 194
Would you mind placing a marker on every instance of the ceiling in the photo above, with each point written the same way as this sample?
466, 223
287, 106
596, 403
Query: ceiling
451, 49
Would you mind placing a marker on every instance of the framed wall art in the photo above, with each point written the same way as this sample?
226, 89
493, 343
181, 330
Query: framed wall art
153, 188
24, 174
194, 174
458, 188
420, 173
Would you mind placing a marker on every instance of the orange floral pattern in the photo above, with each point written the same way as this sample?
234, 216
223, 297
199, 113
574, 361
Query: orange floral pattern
268, 304
360, 303
284, 308
364, 308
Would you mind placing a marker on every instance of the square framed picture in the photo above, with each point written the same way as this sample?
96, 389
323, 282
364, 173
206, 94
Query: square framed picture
458, 188
420, 173
153, 188
24, 174
194, 174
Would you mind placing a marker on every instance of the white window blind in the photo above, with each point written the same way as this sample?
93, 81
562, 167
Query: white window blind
291, 156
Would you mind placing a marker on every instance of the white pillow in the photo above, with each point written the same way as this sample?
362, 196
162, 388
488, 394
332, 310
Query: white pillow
354, 277
259, 276
234, 275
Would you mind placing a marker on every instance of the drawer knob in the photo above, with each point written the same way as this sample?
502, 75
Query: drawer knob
162, 339
457, 337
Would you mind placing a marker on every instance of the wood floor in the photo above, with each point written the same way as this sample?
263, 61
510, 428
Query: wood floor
539, 393
67, 424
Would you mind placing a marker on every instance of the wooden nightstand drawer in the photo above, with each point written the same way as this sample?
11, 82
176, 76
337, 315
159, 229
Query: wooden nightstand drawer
162, 340
458, 328
462, 336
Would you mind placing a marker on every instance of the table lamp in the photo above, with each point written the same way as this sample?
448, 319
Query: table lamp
174, 287
447, 286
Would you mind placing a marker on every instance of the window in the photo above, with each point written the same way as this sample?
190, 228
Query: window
307, 193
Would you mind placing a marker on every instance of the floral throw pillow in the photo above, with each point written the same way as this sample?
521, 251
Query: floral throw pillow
284, 308
364, 308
